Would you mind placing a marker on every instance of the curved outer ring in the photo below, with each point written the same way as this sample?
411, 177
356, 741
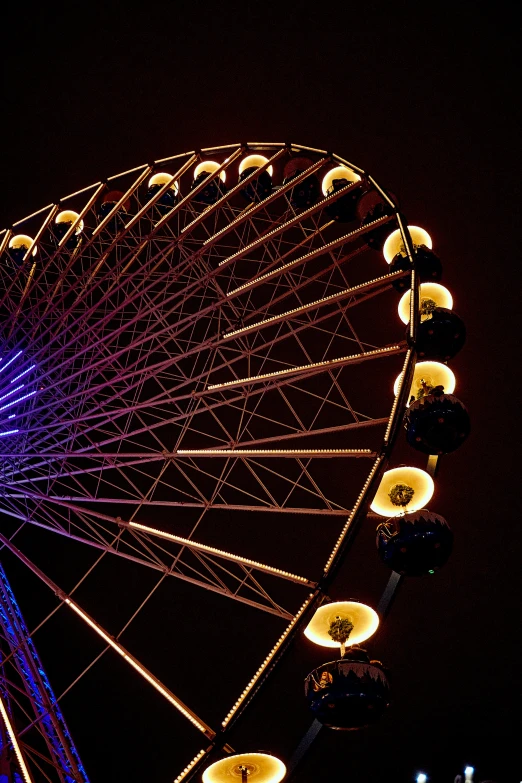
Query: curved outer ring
357, 514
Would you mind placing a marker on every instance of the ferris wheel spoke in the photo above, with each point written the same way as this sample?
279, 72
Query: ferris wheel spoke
116, 645
191, 544
228, 196
280, 293
140, 316
126, 491
335, 243
226, 363
150, 311
70, 502
315, 367
275, 453
297, 219
83, 292
169, 419
236, 281
342, 313
142, 557
90, 275
382, 283
129, 459
34, 754
356, 425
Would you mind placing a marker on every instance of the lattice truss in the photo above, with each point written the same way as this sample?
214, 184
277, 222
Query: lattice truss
169, 373
224, 329
27, 697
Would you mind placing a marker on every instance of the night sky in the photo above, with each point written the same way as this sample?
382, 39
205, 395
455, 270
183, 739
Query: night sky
424, 97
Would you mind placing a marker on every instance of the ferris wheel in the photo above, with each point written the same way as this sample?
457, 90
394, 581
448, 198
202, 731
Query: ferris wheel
203, 374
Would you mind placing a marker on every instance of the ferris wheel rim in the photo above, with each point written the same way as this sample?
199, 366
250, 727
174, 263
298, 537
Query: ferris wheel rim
391, 428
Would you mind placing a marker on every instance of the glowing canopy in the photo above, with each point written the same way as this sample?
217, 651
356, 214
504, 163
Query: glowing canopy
420, 482
440, 295
365, 622
261, 768
433, 374
339, 172
209, 167
161, 178
255, 161
21, 242
394, 243
69, 216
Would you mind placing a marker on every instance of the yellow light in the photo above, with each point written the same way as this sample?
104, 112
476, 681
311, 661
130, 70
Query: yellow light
22, 242
302, 368
161, 178
339, 172
421, 483
394, 243
255, 161
433, 374
352, 514
303, 309
209, 167
139, 668
267, 660
212, 550
69, 216
269, 452
14, 741
365, 622
260, 767
192, 764
440, 295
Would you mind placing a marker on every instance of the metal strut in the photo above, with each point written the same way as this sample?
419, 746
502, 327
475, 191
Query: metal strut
48, 714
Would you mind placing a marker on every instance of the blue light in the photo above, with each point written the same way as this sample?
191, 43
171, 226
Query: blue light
422, 778
22, 648
11, 360
18, 400
9, 390
16, 388
469, 771
24, 373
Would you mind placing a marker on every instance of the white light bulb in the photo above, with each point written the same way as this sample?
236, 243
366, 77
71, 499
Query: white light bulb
422, 778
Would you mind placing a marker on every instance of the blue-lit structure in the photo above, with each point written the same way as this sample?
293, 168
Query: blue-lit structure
14, 391
62, 752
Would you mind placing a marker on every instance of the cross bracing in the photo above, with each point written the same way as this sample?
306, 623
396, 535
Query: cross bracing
193, 362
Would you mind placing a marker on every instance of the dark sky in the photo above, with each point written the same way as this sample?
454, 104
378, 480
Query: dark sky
425, 97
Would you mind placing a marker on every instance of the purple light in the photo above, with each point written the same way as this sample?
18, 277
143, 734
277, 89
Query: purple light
11, 416
8, 432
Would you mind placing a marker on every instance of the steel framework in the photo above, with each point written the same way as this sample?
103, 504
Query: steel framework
35, 685
165, 366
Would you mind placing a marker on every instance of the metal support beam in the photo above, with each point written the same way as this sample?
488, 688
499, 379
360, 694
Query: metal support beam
51, 721
108, 639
